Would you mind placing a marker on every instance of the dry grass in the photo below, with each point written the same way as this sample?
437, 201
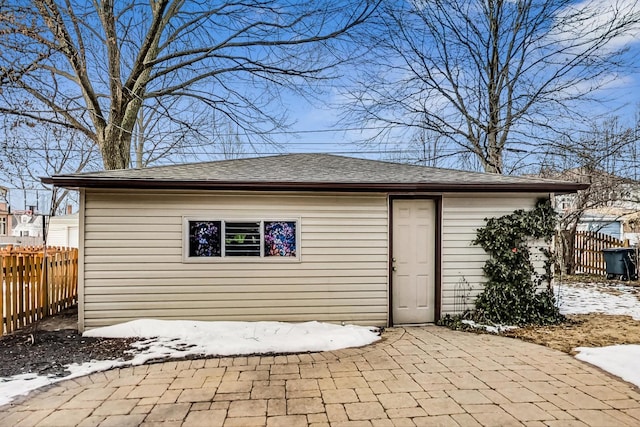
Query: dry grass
583, 330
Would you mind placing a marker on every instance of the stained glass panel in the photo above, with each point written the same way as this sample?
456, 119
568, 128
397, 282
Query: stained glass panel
280, 238
204, 238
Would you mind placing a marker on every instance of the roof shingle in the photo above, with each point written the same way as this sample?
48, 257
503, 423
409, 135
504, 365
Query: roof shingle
308, 171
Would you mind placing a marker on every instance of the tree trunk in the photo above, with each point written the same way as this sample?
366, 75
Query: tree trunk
492, 163
490, 156
115, 148
567, 243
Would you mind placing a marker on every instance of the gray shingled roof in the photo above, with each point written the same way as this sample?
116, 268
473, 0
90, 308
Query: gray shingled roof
307, 171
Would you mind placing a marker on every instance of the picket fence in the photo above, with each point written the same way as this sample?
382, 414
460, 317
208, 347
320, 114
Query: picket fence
35, 284
589, 258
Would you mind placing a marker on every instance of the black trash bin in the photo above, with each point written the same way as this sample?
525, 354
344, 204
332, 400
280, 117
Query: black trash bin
621, 262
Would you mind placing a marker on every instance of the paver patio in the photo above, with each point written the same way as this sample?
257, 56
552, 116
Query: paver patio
423, 376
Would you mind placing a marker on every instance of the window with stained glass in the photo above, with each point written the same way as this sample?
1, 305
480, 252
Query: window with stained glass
280, 238
240, 239
204, 238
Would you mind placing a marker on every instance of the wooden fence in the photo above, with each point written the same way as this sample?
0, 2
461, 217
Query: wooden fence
589, 258
35, 285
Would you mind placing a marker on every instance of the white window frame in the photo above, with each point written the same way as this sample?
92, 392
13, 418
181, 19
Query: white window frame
3, 226
223, 258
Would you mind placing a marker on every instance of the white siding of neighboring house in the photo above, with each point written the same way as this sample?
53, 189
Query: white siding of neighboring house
462, 215
28, 226
133, 264
63, 231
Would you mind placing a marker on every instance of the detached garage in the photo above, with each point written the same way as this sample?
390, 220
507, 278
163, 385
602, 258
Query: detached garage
295, 237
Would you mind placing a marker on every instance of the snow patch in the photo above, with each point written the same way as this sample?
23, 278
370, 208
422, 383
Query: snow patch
494, 329
165, 339
184, 338
606, 298
597, 298
21, 384
619, 360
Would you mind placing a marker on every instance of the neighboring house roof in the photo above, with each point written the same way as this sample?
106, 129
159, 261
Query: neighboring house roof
26, 219
30, 223
607, 213
589, 175
594, 216
320, 172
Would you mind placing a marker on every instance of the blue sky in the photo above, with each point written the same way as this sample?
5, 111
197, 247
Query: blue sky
315, 127
618, 98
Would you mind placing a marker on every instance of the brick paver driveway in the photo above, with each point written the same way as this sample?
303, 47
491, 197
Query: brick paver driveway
423, 376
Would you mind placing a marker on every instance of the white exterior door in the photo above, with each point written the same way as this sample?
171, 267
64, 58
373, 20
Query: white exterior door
413, 261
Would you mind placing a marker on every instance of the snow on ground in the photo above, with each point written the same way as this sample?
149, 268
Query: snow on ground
609, 298
494, 329
162, 339
21, 384
182, 338
175, 339
598, 298
619, 360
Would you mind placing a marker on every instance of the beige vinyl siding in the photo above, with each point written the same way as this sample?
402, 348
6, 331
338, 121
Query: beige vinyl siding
462, 215
133, 264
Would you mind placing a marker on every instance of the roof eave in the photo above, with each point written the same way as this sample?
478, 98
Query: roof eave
73, 182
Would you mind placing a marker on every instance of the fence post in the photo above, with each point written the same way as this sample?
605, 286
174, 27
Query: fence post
45, 284
36, 283
3, 316
11, 293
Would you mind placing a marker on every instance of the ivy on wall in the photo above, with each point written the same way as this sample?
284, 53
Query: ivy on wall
512, 294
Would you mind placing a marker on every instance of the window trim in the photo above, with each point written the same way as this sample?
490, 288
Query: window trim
223, 258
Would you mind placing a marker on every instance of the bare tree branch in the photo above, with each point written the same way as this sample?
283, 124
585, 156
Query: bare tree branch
490, 75
107, 59
605, 159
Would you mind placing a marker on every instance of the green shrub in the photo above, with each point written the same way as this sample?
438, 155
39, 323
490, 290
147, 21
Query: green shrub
512, 294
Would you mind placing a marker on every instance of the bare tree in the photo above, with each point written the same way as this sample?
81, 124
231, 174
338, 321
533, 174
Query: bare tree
599, 158
490, 75
16, 57
423, 148
155, 138
43, 150
104, 60
231, 143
